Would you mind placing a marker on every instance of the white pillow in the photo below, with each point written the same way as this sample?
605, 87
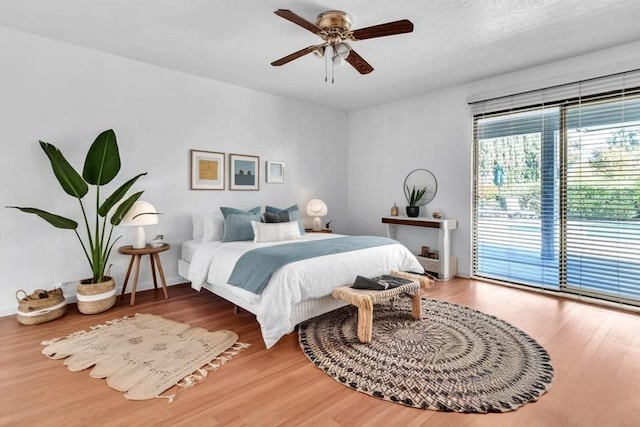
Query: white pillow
198, 225
275, 231
213, 227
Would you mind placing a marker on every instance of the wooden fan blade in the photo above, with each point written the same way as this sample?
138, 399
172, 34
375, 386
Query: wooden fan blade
295, 55
296, 19
382, 30
358, 62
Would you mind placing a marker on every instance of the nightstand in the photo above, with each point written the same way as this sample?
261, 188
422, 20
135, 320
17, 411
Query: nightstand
154, 259
324, 230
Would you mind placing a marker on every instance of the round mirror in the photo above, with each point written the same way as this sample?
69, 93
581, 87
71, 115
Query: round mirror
416, 181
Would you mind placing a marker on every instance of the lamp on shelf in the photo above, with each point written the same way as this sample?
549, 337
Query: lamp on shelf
316, 208
140, 215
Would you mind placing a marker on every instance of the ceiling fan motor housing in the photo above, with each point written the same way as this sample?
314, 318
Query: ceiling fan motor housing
334, 19
335, 26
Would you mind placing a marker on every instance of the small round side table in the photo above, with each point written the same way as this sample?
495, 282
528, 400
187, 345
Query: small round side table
136, 254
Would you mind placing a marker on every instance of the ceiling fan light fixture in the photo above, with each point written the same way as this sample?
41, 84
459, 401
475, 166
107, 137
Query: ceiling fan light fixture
340, 53
342, 50
319, 51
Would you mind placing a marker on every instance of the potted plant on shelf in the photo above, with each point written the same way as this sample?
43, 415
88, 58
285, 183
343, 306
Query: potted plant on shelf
101, 165
413, 198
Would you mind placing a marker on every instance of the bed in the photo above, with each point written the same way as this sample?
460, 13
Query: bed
295, 292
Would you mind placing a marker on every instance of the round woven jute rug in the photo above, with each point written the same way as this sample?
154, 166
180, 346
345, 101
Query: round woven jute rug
454, 359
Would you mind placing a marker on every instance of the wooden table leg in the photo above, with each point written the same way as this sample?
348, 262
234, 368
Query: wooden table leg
164, 283
126, 278
416, 309
153, 270
365, 321
135, 280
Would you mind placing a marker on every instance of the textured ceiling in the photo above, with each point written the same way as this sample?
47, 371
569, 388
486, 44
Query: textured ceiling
234, 41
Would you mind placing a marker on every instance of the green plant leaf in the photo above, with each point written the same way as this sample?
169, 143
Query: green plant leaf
124, 207
70, 180
117, 195
415, 195
102, 163
55, 220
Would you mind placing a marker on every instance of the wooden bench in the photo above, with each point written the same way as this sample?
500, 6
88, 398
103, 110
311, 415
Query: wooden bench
365, 299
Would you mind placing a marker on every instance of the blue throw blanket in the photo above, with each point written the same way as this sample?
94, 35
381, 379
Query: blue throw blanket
255, 268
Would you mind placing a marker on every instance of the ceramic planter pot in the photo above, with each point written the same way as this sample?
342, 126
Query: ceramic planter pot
413, 211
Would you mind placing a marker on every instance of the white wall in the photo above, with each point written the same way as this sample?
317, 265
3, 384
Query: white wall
434, 131
66, 95
388, 142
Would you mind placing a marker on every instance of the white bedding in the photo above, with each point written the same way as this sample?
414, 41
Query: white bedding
188, 249
299, 281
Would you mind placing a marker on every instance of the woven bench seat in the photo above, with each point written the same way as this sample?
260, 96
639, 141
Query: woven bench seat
365, 299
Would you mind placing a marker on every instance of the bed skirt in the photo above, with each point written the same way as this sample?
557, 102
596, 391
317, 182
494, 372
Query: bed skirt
302, 311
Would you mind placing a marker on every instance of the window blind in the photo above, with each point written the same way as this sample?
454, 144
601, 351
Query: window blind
556, 195
555, 94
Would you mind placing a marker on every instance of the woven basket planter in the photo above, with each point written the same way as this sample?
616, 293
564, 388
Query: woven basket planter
41, 306
95, 298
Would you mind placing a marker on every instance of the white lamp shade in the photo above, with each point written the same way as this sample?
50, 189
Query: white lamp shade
141, 214
316, 208
340, 53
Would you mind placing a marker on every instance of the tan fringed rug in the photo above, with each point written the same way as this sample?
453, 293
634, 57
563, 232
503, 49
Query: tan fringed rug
145, 355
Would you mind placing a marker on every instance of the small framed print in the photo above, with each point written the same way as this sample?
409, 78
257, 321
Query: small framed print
207, 170
244, 172
275, 172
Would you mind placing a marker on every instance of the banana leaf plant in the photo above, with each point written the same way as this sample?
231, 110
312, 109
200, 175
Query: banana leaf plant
101, 165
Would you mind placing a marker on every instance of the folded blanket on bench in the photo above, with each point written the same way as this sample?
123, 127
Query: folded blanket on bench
380, 283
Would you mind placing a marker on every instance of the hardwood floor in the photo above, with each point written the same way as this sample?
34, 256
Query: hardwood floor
595, 352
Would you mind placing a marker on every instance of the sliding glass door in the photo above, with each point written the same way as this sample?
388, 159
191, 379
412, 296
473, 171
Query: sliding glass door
516, 208
557, 196
602, 256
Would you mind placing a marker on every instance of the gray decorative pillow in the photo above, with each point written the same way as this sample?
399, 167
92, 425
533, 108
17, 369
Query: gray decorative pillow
237, 223
228, 211
293, 211
282, 216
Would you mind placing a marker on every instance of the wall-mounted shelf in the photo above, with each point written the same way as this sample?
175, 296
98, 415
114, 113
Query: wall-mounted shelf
446, 266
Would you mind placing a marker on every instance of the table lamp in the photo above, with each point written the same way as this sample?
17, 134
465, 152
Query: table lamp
316, 208
140, 214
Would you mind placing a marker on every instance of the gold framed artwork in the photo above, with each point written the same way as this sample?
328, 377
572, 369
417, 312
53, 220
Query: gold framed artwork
207, 170
275, 172
244, 172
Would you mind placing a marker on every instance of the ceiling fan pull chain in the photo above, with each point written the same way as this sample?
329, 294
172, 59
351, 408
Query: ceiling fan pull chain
326, 66
333, 67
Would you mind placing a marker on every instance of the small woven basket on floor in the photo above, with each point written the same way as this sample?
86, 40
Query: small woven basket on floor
41, 306
95, 298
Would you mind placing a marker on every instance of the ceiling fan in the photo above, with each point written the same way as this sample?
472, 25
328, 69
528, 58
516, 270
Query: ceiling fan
334, 28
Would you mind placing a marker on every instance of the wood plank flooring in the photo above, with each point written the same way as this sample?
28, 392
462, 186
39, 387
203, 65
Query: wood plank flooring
595, 352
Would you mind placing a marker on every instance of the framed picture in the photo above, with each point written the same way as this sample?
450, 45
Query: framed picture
275, 172
244, 172
207, 170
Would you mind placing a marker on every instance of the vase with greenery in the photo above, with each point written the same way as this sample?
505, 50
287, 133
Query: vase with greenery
413, 199
101, 165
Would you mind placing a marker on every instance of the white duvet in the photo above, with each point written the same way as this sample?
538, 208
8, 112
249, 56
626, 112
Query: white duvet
298, 281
